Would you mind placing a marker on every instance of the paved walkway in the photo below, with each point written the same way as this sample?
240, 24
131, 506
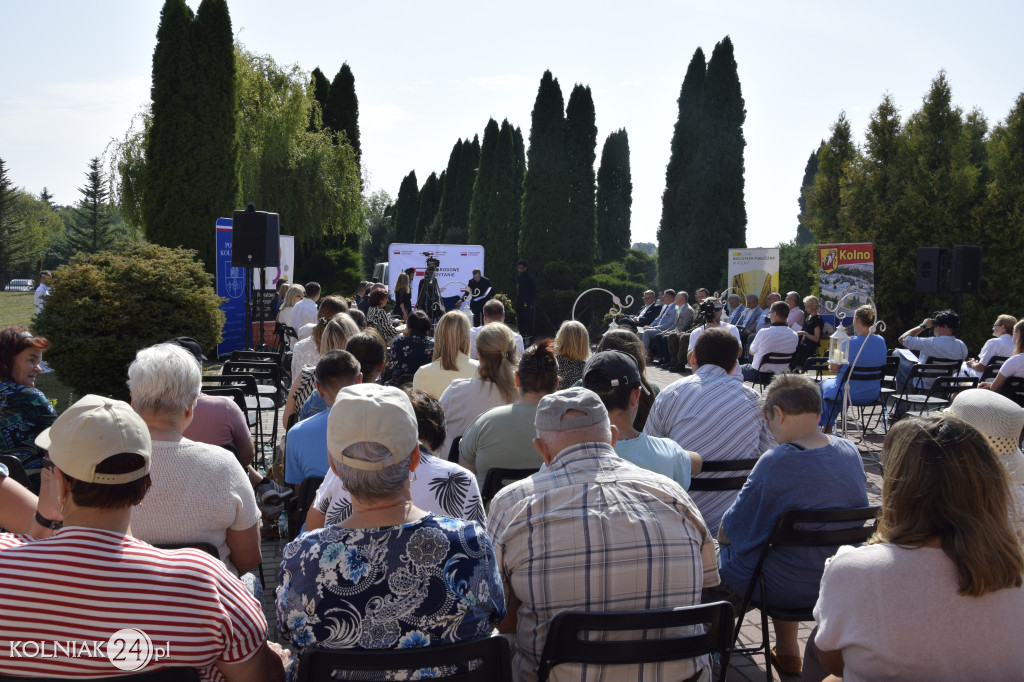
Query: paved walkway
741, 667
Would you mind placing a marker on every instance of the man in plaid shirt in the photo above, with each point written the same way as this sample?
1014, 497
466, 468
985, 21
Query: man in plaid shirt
593, 532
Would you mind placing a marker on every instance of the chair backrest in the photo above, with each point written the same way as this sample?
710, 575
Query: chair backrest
926, 372
162, 675
246, 382
492, 653
950, 386
892, 368
992, 368
775, 359
497, 478
565, 642
233, 392
15, 469
818, 365
788, 530
303, 501
723, 482
275, 356
1013, 388
205, 546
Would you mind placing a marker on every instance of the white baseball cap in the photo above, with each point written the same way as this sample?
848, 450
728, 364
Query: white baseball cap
372, 413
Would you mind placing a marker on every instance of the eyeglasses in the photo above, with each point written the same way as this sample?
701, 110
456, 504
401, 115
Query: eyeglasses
48, 464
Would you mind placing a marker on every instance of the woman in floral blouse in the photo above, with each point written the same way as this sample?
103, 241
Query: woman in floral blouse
391, 576
410, 351
24, 410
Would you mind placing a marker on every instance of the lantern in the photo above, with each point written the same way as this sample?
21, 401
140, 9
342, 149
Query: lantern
839, 347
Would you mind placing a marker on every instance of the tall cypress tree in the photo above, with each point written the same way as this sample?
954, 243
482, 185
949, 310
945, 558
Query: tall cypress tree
481, 205
92, 229
493, 218
824, 201
406, 208
430, 201
717, 176
458, 192
581, 152
171, 161
321, 88
675, 234
520, 147
342, 111
803, 230
614, 198
215, 190
545, 187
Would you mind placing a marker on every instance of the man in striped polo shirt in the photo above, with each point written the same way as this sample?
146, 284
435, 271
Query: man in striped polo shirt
712, 412
93, 601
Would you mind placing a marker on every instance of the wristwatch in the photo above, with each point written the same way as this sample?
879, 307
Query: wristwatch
47, 523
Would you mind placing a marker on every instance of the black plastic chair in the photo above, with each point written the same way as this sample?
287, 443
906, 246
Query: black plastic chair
300, 504
763, 377
566, 644
913, 393
701, 482
992, 368
818, 365
790, 530
238, 396
205, 546
255, 403
497, 478
162, 675
495, 662
15, 469
865, 374
1013, 388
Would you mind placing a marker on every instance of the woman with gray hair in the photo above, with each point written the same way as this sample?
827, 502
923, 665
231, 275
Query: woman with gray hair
199, 493
390, 575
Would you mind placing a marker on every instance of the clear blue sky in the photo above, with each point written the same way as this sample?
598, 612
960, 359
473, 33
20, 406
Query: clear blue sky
73, 74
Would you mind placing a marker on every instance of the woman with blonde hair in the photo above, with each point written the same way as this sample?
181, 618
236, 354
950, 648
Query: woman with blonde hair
451, 356
403, 296
292, 296
1001, 344
307, 351
335, 336
1014, 365
936, 593
810, 335
494, 385
572, 343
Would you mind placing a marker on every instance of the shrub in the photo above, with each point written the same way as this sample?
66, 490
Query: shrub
105, 306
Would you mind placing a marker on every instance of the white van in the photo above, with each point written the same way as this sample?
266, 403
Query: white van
380, 273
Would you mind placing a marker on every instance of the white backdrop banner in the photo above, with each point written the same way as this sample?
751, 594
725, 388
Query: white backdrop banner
457, 264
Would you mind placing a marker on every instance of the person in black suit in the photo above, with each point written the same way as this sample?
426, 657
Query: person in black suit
525, 301
480, 291
647, 315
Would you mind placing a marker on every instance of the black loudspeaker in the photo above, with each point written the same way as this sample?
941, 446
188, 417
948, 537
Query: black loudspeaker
255, 239
966, 269
932, 265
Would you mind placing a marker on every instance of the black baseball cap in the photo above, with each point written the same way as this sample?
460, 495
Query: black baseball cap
610, 369
191, 345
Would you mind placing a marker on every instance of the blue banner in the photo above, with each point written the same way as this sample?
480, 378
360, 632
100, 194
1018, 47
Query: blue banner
231, 284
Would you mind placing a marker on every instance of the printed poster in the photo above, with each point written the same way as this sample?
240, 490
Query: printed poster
754, 271
846, 272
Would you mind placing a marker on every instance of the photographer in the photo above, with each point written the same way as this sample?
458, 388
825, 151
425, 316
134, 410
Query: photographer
428, 295
710, 310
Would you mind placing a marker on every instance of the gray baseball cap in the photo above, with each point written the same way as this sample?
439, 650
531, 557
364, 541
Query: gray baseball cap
552, 409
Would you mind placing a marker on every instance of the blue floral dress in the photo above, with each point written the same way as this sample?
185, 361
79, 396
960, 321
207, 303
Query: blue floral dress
432, 581
24, 414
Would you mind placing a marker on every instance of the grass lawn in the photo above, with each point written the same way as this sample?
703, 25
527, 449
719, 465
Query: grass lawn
17, 308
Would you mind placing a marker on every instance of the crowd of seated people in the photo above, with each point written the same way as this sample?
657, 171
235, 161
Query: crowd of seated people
398, 550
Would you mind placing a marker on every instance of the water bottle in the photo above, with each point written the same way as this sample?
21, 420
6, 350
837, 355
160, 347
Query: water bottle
282, 526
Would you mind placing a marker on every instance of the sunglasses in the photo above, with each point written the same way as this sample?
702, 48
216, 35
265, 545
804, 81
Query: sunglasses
48, 464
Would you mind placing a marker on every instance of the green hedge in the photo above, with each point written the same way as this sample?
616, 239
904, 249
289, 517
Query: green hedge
104, 307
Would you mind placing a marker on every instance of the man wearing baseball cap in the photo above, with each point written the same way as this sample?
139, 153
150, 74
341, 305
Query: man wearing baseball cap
100, 452
615, 378
593, 532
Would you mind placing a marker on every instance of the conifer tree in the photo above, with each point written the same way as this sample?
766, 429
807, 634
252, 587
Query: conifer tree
493, 220
171, 160
215, 190
430, 202
481, 205
545, 186
614, 198
824, 201
581, 152
458, 192
46, 197
406, 208
91, 231
675, 233
517, 136
803, 231
341, 114
321, 88
716, 177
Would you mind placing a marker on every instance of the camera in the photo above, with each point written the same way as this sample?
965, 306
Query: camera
707, 308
